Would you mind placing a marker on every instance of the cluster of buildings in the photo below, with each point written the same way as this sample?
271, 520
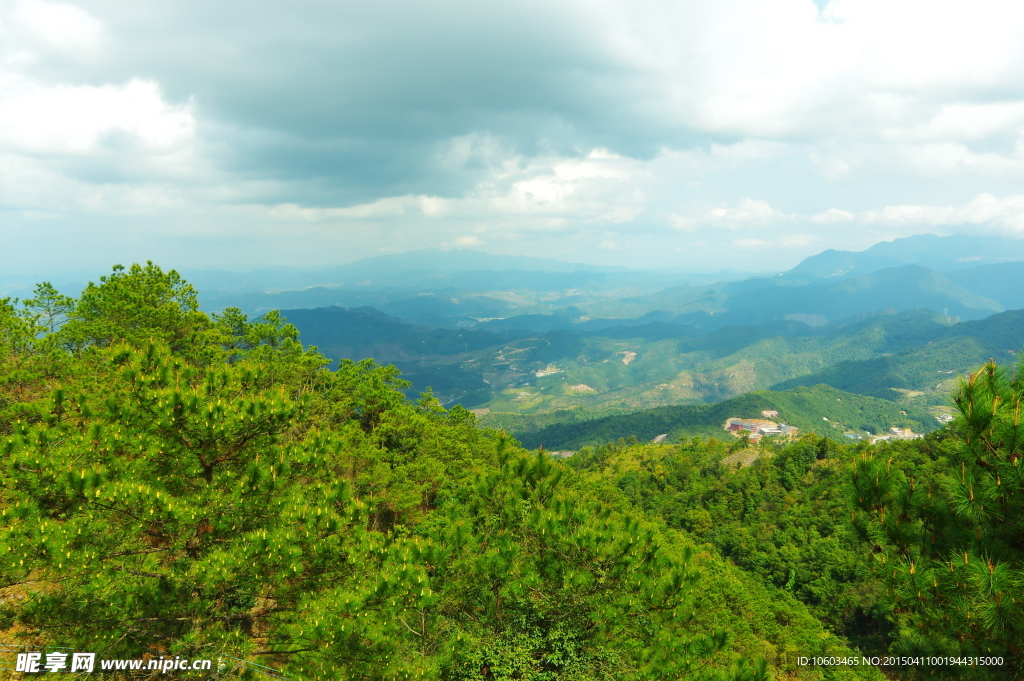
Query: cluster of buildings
897, 434
758, 428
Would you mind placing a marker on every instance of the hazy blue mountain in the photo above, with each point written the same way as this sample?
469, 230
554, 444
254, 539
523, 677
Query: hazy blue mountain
512, 294
566, 284
582, 286
257, 303
464, 260
901, 288
767, 300
895, 330
1000, 334
438, 309
1003, 282
520, 369
358, 333
647, 326
533, 323
943, 253
432, 309
559, 335
650, 331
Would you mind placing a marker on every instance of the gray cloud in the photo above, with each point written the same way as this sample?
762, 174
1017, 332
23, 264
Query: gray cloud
365, 92
321, 132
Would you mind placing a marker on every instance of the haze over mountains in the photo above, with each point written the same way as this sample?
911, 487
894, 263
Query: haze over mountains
534, 337
970, 277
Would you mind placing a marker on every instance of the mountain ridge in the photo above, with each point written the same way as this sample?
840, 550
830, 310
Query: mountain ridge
943, 253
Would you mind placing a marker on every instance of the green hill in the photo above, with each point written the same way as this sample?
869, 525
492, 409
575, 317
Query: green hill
931, 357
806, 408
591, 371
912, 369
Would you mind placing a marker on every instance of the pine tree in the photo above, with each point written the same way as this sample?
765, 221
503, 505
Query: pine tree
947, 531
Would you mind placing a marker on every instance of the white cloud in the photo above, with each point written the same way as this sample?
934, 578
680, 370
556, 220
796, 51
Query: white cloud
51, 26
600, 186
985, 213
997, 214
682, 223
748, 211
748, 244
968, 121
86, 119
799, 240
831, 216
863, 67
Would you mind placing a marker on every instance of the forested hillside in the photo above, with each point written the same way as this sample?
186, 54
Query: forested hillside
897, 547
174, 484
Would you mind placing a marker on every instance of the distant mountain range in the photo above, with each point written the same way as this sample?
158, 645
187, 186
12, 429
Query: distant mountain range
521, 335
945, 254
905, 287
767, 300
362, 332
966, 277
968, 294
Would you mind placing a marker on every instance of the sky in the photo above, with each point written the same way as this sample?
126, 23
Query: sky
705, 134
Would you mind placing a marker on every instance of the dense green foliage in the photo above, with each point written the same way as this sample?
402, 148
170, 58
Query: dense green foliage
946, 527
819, 409
782, 518
178, 484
